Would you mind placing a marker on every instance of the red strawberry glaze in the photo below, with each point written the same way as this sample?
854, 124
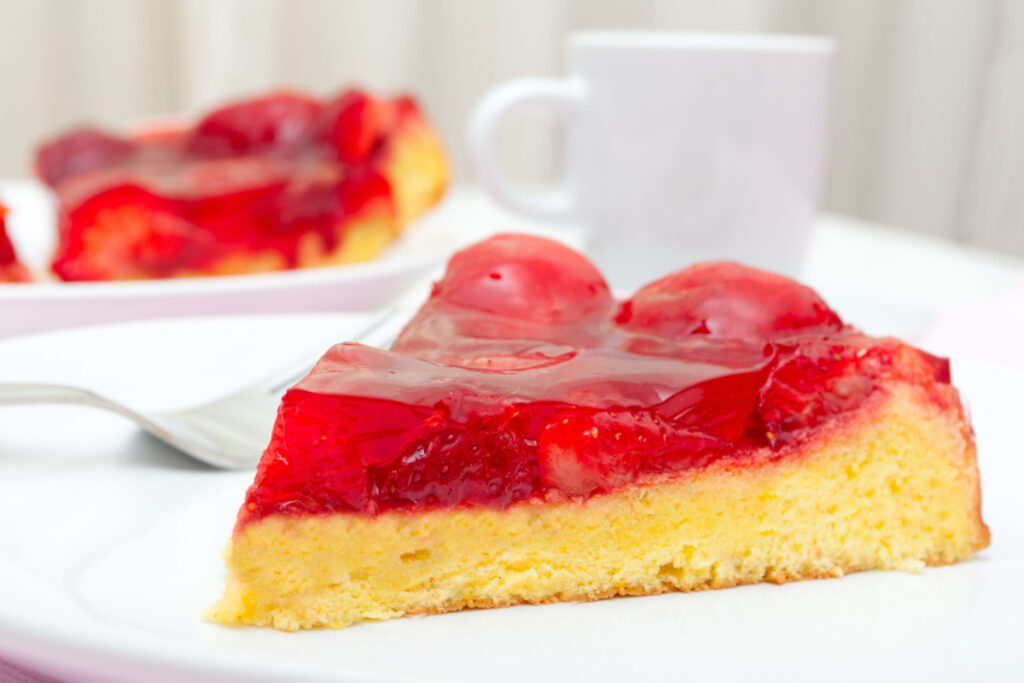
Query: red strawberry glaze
521, 377
249, 177
11, 269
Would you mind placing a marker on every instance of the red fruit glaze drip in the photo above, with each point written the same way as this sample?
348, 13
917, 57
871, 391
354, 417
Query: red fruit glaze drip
521, 377
249, 177
11, 269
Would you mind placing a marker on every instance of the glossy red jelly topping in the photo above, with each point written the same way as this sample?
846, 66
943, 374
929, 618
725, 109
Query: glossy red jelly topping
252, 176
522, 377
11, 269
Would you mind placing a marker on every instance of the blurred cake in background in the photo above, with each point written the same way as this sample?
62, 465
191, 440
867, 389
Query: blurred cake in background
11, 269
271, 183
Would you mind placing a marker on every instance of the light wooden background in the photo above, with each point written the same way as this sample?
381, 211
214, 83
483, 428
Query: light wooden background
928, 129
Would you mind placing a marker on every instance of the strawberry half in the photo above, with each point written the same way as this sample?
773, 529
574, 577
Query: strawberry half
125, 232
485, 461
526, 278
356, 125
813, 380
80, 151
727, 300
597, 451
279, 120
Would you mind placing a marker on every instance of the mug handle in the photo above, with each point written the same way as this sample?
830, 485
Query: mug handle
562, 98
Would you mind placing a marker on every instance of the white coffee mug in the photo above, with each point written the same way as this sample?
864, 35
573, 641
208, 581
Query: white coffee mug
677, 148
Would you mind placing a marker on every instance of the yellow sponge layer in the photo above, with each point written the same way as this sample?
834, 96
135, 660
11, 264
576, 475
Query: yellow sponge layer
896, 487
417, 169
362, 239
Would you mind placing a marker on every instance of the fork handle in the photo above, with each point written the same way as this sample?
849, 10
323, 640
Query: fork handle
14, 393
20, 394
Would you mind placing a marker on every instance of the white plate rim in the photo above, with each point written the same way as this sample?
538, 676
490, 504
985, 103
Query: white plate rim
218, 284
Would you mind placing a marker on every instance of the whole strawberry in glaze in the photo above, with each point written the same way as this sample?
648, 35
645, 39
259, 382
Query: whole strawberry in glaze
727, 300
813, 380
279, 120
80, 151
483, 462
596, 451
525, 278
355, 125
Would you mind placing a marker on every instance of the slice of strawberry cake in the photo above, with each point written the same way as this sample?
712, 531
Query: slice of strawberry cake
275, 182
528, 438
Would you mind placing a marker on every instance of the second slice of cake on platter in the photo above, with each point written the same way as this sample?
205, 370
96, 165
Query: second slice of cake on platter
272, 183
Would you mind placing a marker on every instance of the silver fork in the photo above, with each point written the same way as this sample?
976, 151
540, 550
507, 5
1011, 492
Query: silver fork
230, 432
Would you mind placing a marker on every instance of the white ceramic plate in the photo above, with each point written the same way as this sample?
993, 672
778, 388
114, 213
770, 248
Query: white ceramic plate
110, 549
52, 304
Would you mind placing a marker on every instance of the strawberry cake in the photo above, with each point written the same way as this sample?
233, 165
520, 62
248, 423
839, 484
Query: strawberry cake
528, 438
277, 182
11, 270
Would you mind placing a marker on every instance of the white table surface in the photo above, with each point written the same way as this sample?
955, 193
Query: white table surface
943, 275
